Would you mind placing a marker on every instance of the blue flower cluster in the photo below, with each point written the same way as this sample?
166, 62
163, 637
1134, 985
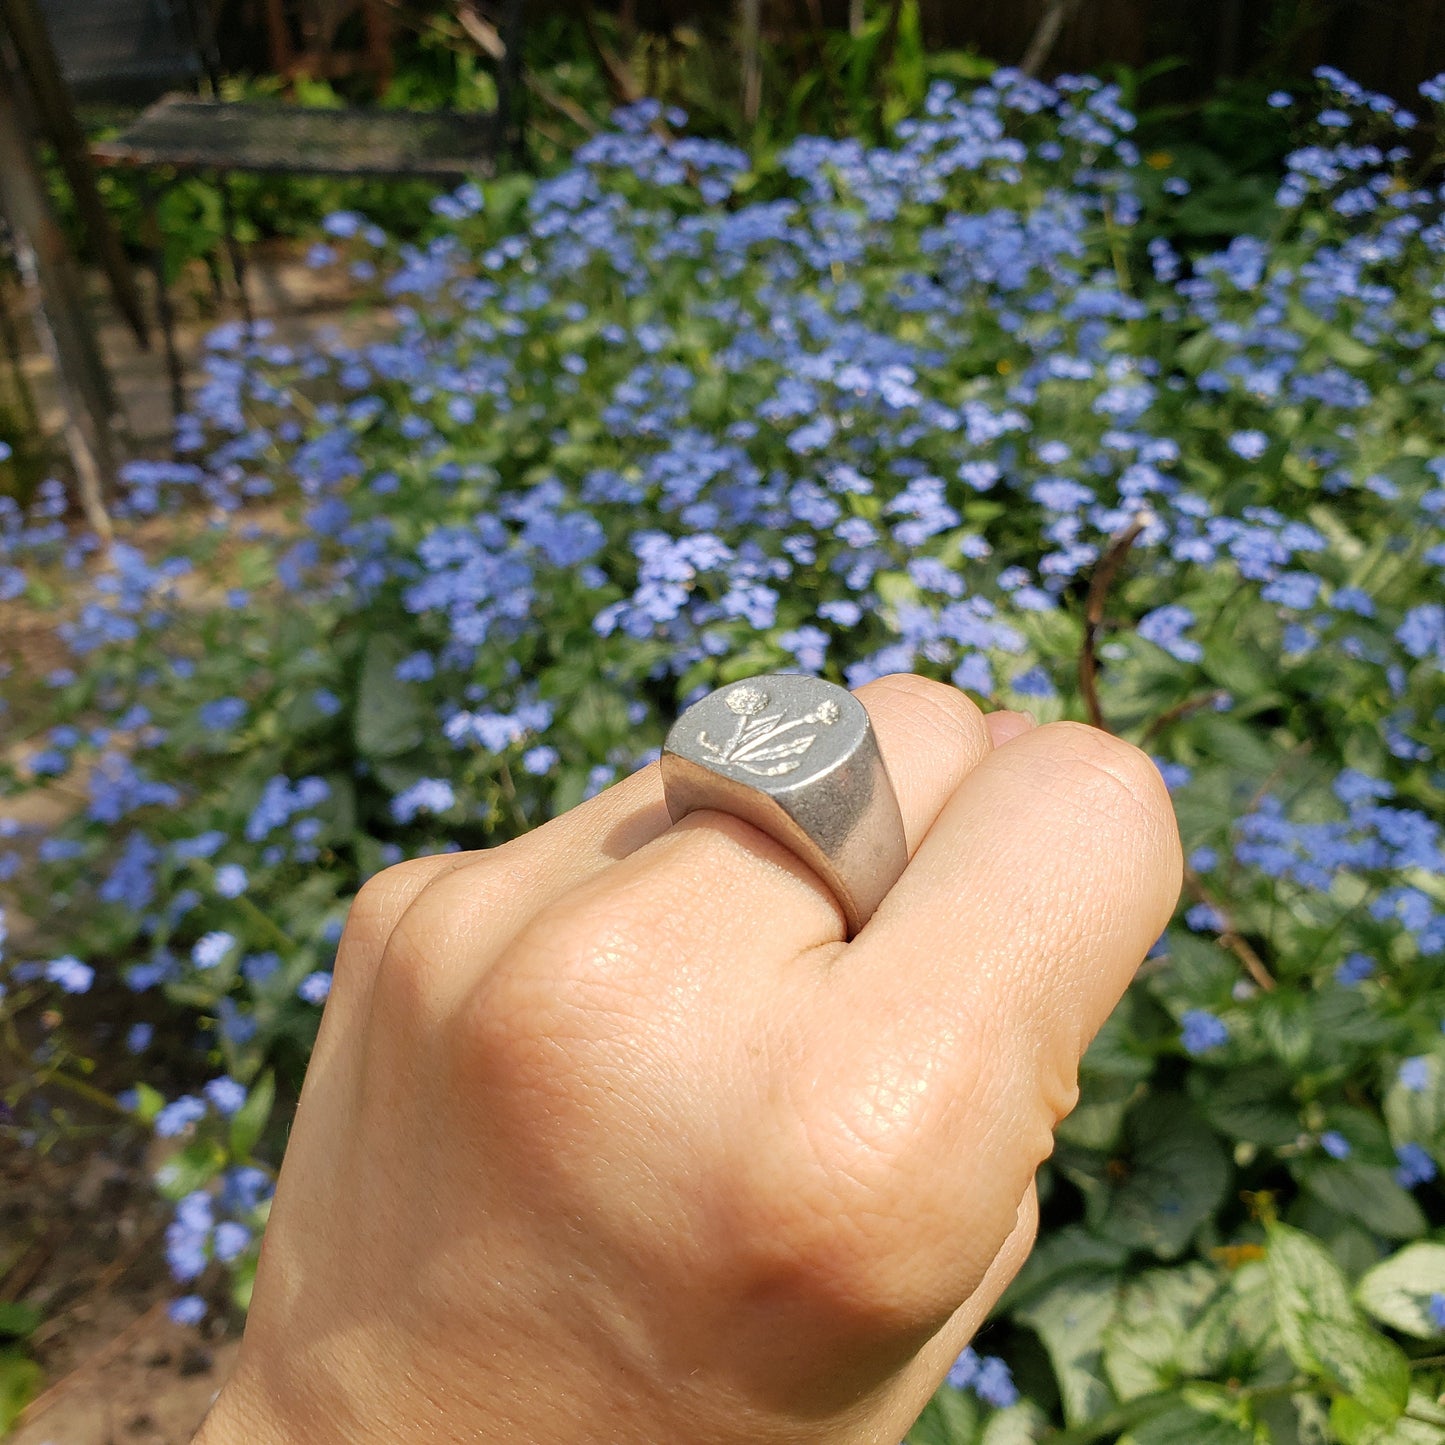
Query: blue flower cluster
987, 1376
951, 404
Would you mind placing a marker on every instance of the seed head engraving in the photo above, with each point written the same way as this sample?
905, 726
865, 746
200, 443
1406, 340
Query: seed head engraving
758, 744
745, 701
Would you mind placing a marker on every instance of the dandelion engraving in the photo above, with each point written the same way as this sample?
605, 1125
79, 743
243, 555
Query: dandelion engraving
758, 745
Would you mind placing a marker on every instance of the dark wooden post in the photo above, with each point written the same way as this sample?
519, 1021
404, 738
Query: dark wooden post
59, 311
750, 43
56, 113
509, 128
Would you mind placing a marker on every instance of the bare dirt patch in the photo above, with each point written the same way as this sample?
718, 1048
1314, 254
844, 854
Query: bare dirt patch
86, 1229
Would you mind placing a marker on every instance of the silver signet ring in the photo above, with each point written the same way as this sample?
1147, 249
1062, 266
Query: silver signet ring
796, 757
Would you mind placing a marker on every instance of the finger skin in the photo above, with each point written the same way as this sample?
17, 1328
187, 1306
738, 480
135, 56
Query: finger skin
929, 734
630, 1187
1004, 727
944, 1042
485, 896
711, 885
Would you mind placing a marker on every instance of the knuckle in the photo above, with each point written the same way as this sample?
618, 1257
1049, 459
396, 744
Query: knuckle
848, 1212
804, 1229
1117, 777
409, 945
843, 1248
566, 988
385, 896
580, 948
374, 913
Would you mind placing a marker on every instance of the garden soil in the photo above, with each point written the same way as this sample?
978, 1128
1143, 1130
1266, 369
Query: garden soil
81, 1227
118, 1372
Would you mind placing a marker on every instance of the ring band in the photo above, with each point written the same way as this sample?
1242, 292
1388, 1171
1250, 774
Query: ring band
796, 757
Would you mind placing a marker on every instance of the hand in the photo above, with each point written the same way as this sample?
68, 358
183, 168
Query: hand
609, 1137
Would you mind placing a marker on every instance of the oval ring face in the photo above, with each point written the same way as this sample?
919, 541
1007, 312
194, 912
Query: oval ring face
795, 756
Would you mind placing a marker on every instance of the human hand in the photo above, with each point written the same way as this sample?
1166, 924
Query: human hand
609, 1136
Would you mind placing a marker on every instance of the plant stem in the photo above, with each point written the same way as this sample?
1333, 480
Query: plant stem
1181, 710
263, 920
509, 790
1230, 937
81, 1090
1099, 586
53, 1075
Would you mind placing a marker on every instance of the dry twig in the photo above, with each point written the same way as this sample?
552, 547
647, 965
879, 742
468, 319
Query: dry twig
1099, 585
1229, 936
83, 1372
1182, 710
1057, 14
480, 31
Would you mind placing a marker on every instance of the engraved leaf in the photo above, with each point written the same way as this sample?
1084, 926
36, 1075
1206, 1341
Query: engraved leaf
793, 748
759, 726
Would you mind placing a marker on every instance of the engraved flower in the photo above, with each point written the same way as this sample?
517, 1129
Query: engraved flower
827, 712
746, 701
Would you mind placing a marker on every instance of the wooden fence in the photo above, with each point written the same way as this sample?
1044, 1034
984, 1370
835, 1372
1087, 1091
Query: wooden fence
1390, 45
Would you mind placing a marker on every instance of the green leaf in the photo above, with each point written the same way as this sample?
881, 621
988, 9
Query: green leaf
243, 1280
1074, 1249
1352, 1424
895, 589
191, 1169
1020, 1424
17, 1320
1417, 1116
1397, 1291
1199, 969
1366, 1192
1425, 1424
1184, 1425
149, 1103
251, 1118
599, 717
1232, 742
1345, 349
1244, 669
1097, 1120
1142, 1345
1297, 1420
1340, 1019
1249, 1105
1307, 1287
390, 715
1374, 1372
20, 1382
1178, 1176
1236, 1331
1286, 1025
1115, 1053
949, 1418
1071, 1319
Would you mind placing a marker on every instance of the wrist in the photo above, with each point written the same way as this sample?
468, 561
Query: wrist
264, 1412
234, 1421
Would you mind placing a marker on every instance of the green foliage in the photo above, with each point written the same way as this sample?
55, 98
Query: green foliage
20, 1376
954, 405
1398, 1290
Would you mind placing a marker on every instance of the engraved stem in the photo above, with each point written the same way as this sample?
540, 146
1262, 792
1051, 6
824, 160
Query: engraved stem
753, 744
